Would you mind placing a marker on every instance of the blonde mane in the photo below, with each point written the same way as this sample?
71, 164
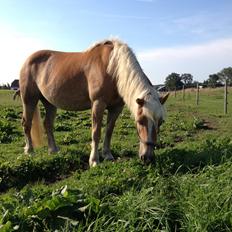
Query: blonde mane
132, 82
96, 44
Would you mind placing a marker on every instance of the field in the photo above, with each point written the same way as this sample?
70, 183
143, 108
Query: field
189, 188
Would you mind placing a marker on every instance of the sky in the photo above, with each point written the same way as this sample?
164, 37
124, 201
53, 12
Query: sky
182, 36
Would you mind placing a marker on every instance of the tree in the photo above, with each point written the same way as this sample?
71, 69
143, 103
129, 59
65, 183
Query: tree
5, 86
226, 74
213, 81
187, 78
173, 81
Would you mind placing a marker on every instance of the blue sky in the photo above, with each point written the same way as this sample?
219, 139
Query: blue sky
193, 36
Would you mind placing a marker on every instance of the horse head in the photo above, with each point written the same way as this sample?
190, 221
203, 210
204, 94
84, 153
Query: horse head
150, 115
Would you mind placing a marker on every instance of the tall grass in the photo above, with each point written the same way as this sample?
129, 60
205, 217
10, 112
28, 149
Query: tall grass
187, 189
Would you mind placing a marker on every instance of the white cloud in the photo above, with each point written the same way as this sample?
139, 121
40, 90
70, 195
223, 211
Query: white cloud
14, 49
199, 60
203, 24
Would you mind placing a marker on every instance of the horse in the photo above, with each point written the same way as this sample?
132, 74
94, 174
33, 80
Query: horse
106, 76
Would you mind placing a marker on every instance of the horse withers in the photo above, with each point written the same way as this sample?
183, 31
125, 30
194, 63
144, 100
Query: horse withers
104, 77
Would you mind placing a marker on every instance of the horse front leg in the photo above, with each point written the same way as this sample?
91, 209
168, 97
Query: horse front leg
98, 108
111, 119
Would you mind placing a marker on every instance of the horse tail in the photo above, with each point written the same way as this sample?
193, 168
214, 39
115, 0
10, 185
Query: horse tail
17, 93
37, 132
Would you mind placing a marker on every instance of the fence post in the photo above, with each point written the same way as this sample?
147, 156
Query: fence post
183, 93
225, 96
197, 94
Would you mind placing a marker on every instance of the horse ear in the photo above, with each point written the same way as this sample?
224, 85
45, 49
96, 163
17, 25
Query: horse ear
140, 101
163, 99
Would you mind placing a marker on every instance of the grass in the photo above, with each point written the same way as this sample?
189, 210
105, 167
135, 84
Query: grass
187, 189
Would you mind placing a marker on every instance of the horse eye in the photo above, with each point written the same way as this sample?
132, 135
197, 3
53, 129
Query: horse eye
142, 121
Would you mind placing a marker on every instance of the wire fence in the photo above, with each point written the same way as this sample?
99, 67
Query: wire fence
198, 90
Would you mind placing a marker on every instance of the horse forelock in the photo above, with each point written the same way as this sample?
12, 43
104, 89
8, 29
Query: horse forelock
153, 109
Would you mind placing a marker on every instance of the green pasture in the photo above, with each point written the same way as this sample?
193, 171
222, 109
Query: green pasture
188, 188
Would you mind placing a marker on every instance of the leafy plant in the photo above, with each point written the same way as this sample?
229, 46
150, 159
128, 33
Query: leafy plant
7, 132
10, 113
50, 212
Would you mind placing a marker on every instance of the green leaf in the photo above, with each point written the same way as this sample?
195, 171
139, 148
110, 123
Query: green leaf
6, 227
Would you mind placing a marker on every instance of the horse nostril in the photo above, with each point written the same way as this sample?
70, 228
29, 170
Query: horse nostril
142, 157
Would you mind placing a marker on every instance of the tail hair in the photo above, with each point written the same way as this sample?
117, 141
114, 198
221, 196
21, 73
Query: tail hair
37, 132
17, 93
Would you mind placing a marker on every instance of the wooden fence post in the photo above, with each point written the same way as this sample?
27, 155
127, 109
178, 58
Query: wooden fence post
183, 92
225, 97
197, 94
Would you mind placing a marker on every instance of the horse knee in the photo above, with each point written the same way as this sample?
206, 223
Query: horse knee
23, 121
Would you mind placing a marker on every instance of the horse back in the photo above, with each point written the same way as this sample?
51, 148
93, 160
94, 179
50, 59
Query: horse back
70, 80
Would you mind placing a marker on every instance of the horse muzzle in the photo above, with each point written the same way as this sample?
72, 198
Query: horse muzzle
147, 158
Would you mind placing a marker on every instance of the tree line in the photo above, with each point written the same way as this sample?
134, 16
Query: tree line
5, 86
175, 81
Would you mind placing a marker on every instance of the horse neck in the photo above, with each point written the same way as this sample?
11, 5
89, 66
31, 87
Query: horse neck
130, 78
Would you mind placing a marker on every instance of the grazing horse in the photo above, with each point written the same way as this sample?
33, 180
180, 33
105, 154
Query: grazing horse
105, 76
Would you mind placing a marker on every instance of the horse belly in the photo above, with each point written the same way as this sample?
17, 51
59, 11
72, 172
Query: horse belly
76, 104
68, 100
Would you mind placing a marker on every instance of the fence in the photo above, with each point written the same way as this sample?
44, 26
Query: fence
198, 90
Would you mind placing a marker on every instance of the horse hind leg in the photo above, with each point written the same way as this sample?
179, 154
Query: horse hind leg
49, 125
28, 113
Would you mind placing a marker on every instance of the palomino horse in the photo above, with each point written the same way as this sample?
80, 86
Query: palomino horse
105, 76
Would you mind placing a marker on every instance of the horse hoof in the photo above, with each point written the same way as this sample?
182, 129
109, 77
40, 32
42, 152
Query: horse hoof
93, 163
53, 150
147, 159
28, 150
108, 157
